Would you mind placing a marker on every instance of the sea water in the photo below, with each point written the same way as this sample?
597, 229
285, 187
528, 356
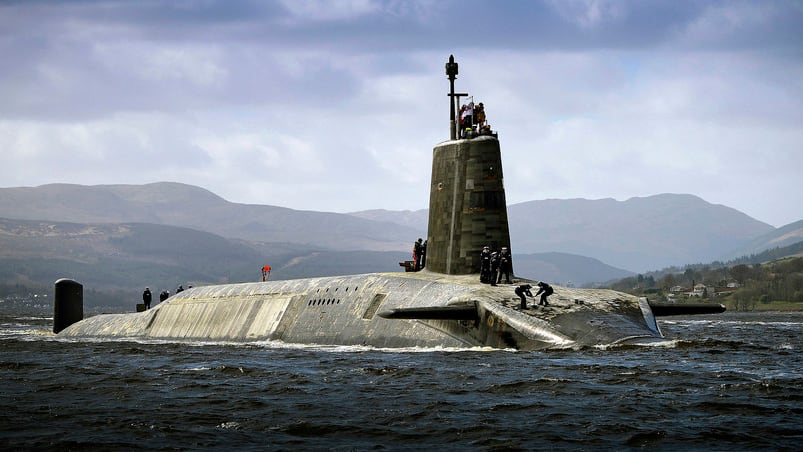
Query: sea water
720, 382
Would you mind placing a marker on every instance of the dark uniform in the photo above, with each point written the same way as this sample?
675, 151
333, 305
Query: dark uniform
417, 250
485, 265
494, 267
505, 265
547, 291
146, 298
423, 258
523, 291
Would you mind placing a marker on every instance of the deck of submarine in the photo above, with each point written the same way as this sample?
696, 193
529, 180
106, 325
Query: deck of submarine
574, 317
564, 300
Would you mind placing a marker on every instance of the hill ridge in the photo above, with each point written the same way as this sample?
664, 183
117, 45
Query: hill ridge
639, 233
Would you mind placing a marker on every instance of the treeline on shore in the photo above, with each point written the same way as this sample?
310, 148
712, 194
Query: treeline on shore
743, 285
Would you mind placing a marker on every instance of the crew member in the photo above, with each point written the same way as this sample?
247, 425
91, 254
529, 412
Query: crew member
485, 265
146, 298
494, 267
505, 265
468, 118
523, 291
417, 254
479, 112
423, 258
545, 290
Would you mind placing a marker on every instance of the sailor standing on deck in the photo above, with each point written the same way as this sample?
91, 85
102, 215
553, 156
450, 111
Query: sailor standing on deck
147, 297
485, 265
417, 250
505, 265
494, 267
423, 258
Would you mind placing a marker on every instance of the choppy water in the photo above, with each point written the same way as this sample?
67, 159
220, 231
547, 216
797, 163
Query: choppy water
726, 382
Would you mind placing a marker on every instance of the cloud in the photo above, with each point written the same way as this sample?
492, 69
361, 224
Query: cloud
336, 106
589, 13
329, 11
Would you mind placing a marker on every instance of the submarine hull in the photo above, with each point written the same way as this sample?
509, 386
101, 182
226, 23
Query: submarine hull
386, 310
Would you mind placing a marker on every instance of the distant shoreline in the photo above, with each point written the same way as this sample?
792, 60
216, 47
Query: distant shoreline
775, 306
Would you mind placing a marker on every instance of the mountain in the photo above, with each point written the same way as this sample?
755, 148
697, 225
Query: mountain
121, 255
565, 269
638, 234
182, 205
778, 238
128, 256
415, 219
125, 257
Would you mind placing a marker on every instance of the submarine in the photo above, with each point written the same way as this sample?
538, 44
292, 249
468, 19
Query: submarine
443, 305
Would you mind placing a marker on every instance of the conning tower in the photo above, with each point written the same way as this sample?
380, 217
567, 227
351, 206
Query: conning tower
467, 207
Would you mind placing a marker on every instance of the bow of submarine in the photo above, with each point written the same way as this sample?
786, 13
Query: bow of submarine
492, 316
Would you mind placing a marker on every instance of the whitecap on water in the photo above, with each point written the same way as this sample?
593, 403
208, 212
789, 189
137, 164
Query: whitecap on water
365, 348
231, 425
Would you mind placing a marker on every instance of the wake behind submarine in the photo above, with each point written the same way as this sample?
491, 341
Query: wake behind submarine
443, 305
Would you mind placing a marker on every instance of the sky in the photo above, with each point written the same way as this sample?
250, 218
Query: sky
336, 105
